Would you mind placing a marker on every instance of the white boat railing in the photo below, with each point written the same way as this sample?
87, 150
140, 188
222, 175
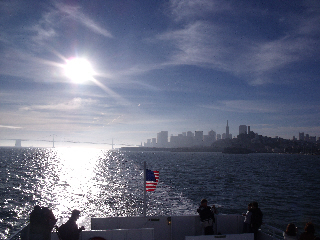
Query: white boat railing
174, 226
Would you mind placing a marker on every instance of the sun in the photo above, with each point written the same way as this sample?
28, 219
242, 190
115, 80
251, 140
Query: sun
78, 70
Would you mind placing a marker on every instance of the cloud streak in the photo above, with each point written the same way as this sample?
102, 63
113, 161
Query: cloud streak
258, 106
210, 43
10, 127
74, 104
76, 14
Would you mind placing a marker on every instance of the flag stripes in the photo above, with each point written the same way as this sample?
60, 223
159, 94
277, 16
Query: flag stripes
151, 180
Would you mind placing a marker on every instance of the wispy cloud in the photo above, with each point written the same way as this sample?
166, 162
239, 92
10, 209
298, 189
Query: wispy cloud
262, 59
45, 28
77, 14
210, 42
74, 104
48, 26
197, 44
256, 106
182, 9
11, 127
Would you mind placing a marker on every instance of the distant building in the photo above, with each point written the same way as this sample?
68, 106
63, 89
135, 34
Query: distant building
301, 136
162, 139
227, 130
243, 129
313, 139
212, 136
189, 139
154, 142
148, 143
218, 136
224, 136
174, 141
18, 143
209, 139
198, 138
190, 134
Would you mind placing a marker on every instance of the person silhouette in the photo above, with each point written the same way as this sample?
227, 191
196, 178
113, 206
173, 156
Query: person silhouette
206, 216
309, 232
247, 220
291, 232
36, 223
256, 219
42, 221
70, 230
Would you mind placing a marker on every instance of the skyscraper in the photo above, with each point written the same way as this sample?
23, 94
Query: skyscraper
301, 136
227, 130
198, 138
18, 143
162, 139
243, 129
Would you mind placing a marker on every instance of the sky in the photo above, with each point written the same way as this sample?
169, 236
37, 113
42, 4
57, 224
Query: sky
151, 66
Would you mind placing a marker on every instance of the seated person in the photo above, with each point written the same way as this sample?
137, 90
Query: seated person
290, 233
308, 233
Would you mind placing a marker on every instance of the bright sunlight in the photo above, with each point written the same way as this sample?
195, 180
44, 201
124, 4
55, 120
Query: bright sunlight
78, 70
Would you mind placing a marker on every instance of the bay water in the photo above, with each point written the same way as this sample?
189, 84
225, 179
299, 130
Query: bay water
102, 183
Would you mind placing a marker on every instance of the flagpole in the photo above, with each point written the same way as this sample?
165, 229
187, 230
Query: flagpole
144, 190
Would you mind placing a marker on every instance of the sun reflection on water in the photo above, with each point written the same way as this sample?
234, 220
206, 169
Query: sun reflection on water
99, 183
68, 181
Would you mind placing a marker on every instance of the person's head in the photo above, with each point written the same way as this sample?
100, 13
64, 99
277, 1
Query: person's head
75, 214
255, 205
37, 208
291, 230
204, 202
249, 206
309, 228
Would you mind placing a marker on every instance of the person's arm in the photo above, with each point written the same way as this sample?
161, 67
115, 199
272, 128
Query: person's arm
214, 209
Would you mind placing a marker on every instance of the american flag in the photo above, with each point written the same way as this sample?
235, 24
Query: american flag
152, 178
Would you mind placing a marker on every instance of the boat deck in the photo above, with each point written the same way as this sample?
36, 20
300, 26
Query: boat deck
168, 228
228, 227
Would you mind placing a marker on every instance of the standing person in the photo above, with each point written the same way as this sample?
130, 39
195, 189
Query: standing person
256, 219
290, 233
247, 220
70, 230
206, 216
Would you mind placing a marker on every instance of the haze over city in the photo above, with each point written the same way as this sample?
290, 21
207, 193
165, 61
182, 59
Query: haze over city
87, 72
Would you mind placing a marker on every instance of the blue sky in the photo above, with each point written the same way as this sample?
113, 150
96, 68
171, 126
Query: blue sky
158, 65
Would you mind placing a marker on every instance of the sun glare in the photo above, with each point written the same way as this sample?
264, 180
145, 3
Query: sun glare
78, 70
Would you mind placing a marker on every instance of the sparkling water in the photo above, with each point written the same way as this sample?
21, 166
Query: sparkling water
103, 183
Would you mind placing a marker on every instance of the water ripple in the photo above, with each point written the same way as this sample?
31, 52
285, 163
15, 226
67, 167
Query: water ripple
101, 183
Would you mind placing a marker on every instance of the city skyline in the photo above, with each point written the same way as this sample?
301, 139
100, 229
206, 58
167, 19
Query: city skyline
88, 72
153, 142
163, 138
